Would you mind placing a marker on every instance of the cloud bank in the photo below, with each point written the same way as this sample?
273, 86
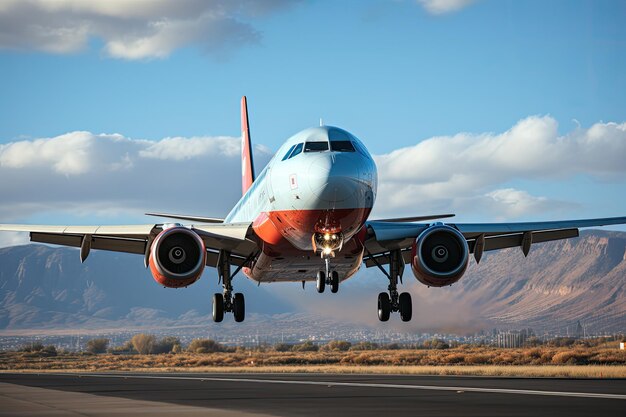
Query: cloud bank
131, 29
84, 177
468, 171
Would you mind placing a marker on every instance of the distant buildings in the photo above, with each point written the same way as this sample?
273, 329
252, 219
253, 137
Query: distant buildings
513, 338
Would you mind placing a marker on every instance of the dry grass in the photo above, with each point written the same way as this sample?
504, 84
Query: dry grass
598, 362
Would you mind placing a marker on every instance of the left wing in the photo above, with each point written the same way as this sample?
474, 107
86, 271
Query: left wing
384, 236
137, 239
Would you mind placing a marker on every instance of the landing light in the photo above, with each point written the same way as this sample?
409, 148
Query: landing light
327, 243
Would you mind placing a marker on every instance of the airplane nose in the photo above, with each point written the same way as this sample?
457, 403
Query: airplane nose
334, 178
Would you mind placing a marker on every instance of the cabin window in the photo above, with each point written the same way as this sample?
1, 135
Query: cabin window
296, 150
315, 146
341, 146
288, 152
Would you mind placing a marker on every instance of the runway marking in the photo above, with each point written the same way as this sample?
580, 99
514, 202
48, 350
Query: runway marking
367, 385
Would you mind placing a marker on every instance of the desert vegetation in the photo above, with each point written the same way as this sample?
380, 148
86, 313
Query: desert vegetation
579, 358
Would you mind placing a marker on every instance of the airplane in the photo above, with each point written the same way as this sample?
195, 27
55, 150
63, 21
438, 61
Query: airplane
305, 217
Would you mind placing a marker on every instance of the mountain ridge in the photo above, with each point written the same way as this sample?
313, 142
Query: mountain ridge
560, 283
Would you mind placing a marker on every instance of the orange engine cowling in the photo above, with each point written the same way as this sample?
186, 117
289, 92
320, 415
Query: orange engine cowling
440, 256
177, 257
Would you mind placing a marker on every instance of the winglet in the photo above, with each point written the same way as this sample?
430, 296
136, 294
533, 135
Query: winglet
247, 164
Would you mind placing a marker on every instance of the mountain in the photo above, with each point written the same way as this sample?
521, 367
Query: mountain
559, 284
48, 287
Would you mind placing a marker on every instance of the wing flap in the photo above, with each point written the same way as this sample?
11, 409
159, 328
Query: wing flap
114, 244
515, 240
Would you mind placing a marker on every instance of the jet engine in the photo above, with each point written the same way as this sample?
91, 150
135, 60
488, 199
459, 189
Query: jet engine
177, 257
440, 256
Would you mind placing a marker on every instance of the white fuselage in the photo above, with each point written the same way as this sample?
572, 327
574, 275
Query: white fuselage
322, 178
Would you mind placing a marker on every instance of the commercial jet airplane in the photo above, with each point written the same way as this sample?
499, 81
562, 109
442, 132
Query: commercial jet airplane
305, 217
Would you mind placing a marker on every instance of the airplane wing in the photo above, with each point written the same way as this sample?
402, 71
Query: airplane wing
136, 239
384, 236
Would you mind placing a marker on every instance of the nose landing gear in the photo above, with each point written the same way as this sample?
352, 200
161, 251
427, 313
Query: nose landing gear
327, 277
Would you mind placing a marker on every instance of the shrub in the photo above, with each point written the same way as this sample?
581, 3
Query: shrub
143, 343
204, 346
166, 345
364, 346
338, 345
282, 347
98, 345
32, 347
436, 344
307, 346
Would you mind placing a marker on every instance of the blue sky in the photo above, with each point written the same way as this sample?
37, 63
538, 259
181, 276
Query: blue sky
395, 73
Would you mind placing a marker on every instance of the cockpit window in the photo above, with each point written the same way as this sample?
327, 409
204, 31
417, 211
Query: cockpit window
315, 146
296, 150
288, 152
341, 146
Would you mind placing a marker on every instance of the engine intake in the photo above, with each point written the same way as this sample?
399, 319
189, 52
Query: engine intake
440, 256
177, 257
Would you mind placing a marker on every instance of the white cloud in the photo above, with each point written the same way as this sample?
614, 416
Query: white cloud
111, 176
444, 6
81, 177
180, 148
449, 172
130, 29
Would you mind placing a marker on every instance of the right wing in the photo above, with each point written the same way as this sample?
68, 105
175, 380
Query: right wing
384, 236
231, 237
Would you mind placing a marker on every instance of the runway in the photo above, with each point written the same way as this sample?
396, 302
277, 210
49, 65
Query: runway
308, 395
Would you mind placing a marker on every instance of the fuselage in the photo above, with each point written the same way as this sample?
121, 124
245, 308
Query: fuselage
321, 180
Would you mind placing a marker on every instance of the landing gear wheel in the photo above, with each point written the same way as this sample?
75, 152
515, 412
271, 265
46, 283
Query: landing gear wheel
406, 306
320, 282
239, 307
384, 306
334, 282
218, 307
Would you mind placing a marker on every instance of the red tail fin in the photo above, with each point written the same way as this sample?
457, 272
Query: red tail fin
247, 164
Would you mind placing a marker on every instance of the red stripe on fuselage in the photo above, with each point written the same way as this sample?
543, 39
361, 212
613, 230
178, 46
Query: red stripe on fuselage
283, 228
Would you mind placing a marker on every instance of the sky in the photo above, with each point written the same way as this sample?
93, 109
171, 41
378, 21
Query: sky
495, 110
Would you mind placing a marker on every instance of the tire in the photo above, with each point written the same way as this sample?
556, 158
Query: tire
334, 282
384, 306
320, 282
406, 306
239, 307
218, 307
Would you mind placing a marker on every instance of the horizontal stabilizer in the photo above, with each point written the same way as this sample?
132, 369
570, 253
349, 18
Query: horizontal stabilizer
185, 217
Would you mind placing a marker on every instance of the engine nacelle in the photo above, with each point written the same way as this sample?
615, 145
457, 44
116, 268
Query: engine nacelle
440, 256
177, 257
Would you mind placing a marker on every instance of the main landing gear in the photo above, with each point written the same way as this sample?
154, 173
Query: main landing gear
327, 277
392, 301
227, 302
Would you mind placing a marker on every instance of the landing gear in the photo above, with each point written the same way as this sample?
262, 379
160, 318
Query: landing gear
392, 301
227, 302
239, 307
320, 281
327, 277
218, 307
384, 306
405, 306
334, 282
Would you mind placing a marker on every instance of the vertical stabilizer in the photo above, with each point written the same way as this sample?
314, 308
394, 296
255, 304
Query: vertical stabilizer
247, 164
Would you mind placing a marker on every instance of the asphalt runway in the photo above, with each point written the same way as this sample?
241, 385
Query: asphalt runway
321, 394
